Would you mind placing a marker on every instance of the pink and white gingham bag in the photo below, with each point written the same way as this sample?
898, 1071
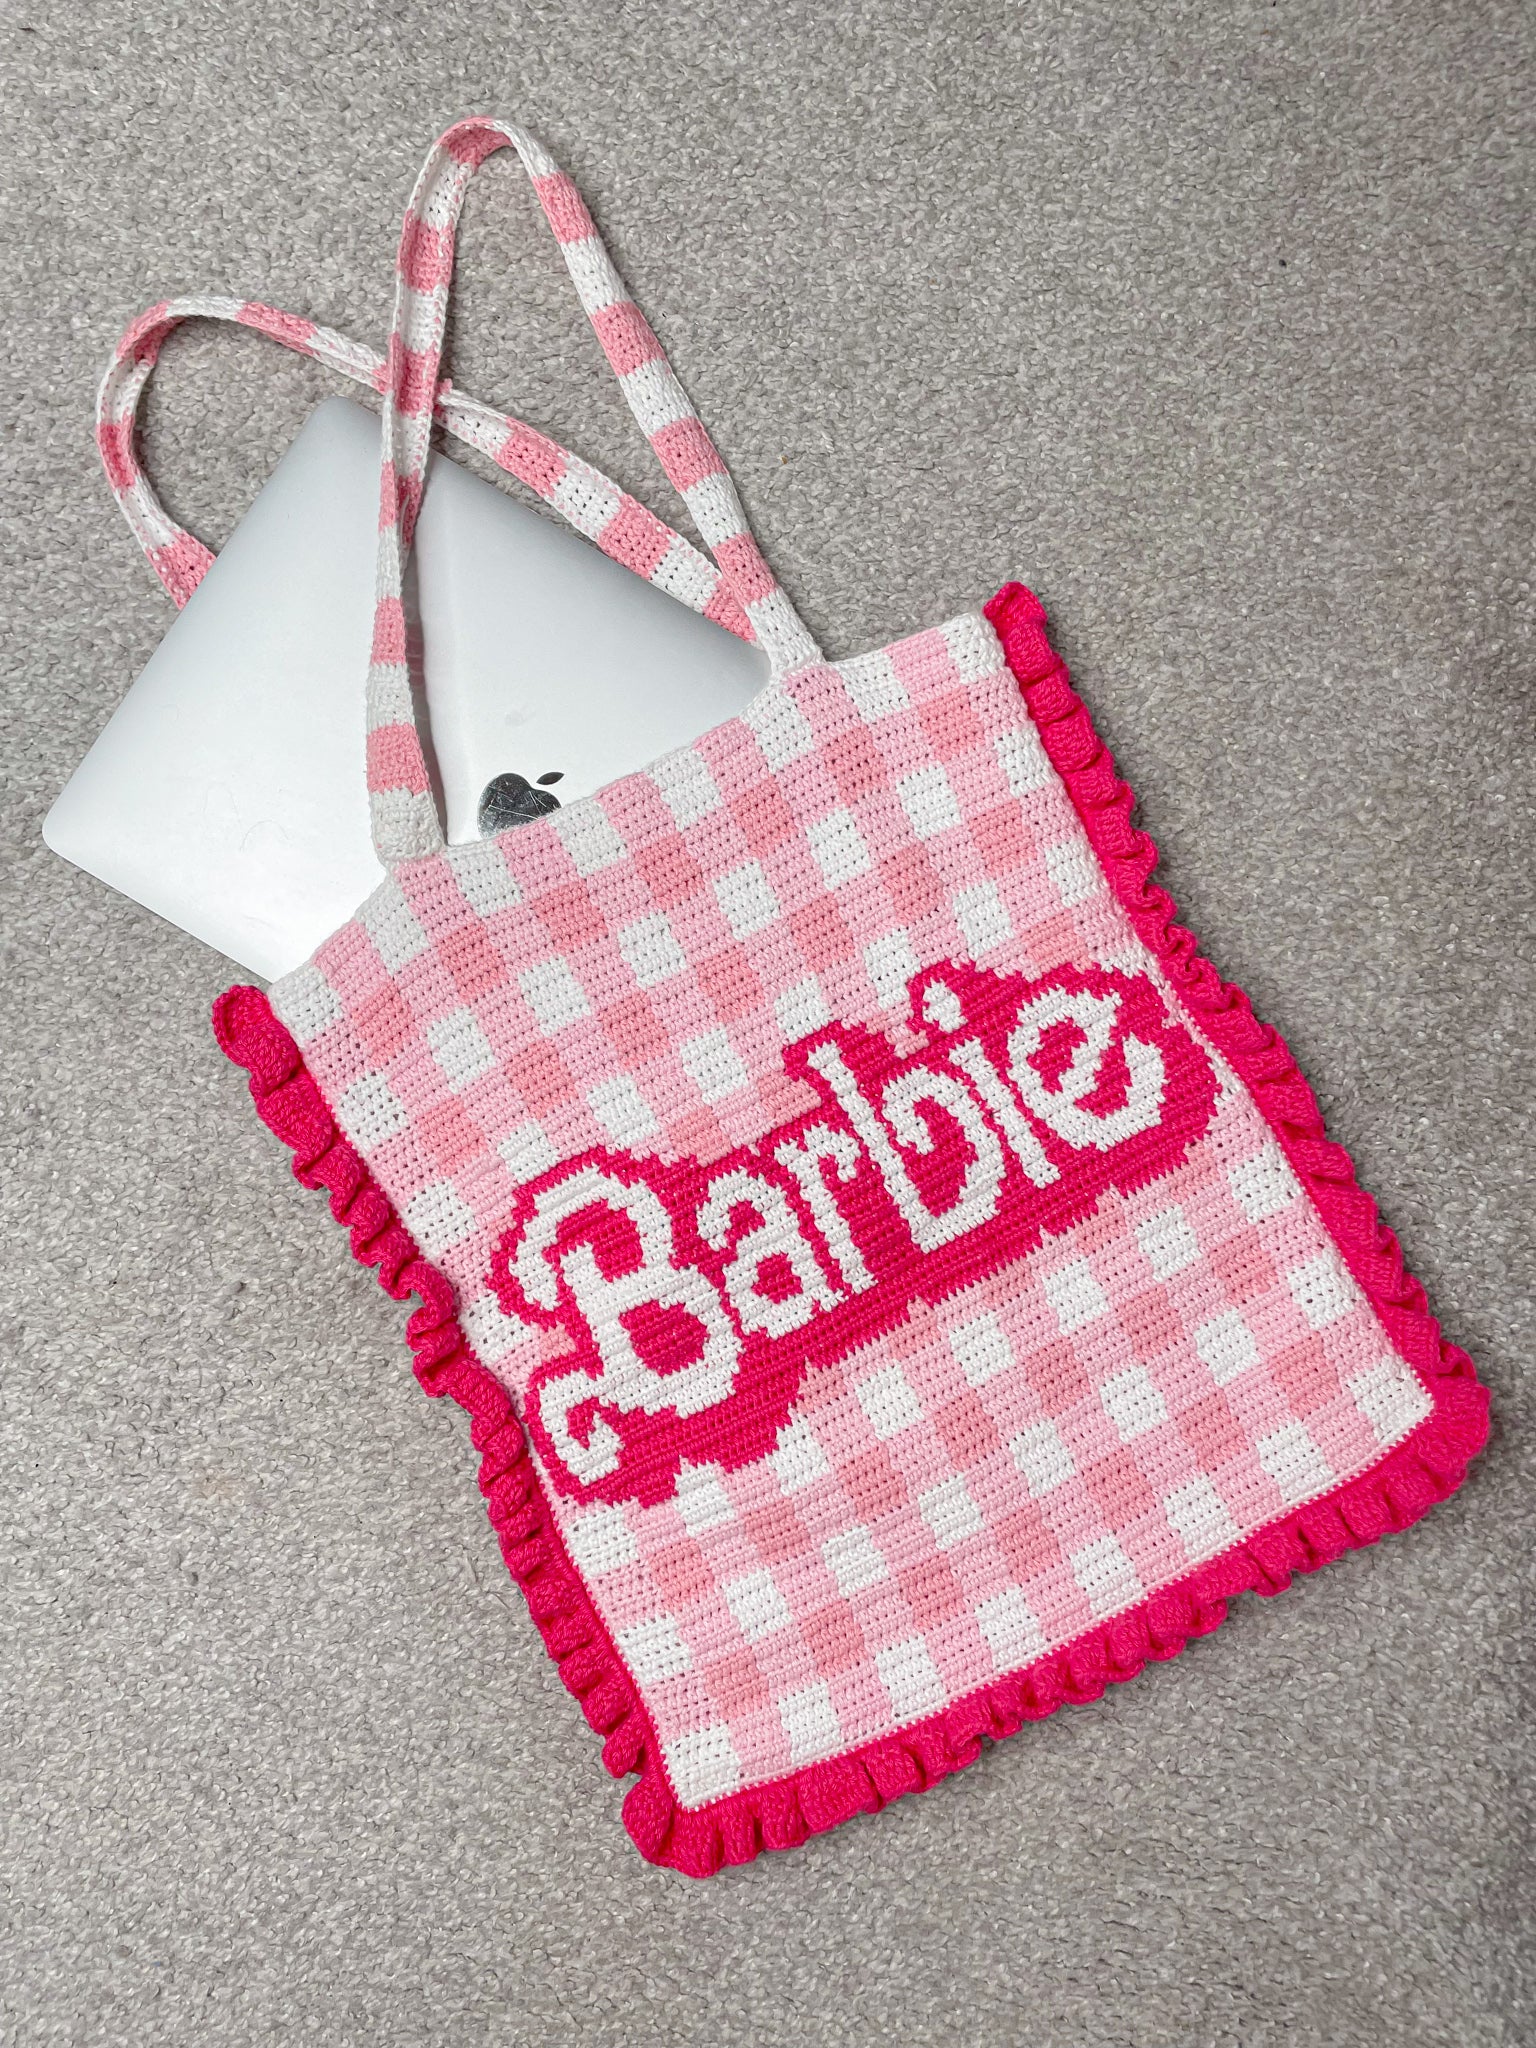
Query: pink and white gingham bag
896, 1284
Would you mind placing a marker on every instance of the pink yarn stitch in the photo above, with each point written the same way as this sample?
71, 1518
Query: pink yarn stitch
1393, 1492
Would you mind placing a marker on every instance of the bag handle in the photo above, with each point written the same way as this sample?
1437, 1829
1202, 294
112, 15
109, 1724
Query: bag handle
403, 814
591, 502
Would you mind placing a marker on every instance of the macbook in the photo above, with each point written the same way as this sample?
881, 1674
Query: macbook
227, 793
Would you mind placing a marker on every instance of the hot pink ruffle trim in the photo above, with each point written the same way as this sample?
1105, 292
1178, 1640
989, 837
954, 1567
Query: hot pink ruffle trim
1424, 1468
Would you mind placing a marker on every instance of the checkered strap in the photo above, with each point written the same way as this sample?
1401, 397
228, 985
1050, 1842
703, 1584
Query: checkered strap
590, 501
405, 821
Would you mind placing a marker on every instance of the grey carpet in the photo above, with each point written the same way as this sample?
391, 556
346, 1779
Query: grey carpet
1207, 322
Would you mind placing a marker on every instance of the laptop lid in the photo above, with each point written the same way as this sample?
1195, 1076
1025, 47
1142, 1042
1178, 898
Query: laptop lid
226, 793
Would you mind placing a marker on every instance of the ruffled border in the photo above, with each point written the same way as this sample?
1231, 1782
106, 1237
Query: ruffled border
1427, 1466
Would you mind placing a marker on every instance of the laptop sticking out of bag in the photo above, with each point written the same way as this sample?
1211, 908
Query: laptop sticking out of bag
227, 792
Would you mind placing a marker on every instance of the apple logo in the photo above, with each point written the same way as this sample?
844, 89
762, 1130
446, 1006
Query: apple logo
509, 800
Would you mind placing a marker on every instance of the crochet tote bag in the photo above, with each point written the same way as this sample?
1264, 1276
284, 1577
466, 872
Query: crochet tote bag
896, 1285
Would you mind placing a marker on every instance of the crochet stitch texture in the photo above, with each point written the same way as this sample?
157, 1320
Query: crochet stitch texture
896, 1285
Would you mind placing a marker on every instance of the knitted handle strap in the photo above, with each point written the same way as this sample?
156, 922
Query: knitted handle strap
401, 806
404, 816
590, 501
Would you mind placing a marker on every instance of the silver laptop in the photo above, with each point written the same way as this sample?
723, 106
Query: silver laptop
227, 794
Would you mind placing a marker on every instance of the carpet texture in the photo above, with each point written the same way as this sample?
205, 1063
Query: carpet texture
1208, 324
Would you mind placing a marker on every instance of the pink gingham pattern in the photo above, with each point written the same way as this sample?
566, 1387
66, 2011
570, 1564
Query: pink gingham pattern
1034, 1454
